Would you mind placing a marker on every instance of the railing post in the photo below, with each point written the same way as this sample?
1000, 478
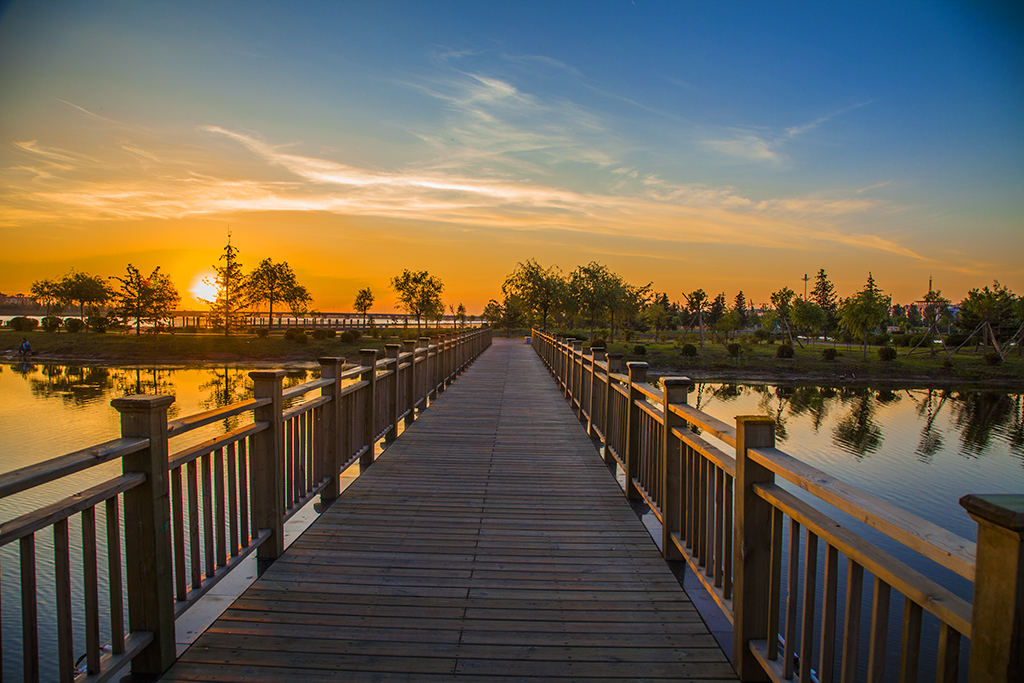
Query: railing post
147, 536
425, 368
595, 356
442, 362
410, 382
637, 375
393, 351
575, 388
268, 462
997, 622
368, 359
752, 546
674, 393
614, 365
330, 368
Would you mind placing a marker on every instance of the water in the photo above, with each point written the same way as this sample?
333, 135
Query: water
917, 448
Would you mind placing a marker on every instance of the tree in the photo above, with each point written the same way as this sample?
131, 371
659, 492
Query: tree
657, 316
590, 287
146, 299
696, 305
864, 311
717, 309
824, 294
229, 282
276, 283
85, 290
540, 289
991, 310
419, 293
364, 302
783, 302
50, 295
809, 317
728, 323
740, 306
508, 315
460, 315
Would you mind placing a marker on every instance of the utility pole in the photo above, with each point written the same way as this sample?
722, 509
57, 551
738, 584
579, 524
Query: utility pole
805, 286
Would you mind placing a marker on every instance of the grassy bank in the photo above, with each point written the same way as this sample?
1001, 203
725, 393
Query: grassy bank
760, 362
89, 347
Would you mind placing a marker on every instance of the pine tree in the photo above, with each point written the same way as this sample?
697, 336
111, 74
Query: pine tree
740, 306
824, 294
230, 283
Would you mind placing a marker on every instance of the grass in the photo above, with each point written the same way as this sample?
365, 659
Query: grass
759, 361
114, 347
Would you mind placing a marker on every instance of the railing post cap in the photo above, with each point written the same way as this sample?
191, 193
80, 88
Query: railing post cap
676, 381
615, 356
755, 419
330, 360
267, 374
368, 352
141, 403
392, 346
637, 364
1002, 509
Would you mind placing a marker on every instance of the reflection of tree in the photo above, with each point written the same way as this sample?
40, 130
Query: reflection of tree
977, 414
149, 381
773, 403
226, 386
928, 410
858, 432
1016, 435
72, 384
811, 400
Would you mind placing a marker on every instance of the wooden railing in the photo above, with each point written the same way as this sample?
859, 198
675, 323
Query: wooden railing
741, 532
186, 518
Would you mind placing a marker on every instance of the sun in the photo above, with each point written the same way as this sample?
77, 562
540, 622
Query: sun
202, 287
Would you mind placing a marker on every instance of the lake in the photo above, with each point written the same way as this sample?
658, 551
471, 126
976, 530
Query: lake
921, 449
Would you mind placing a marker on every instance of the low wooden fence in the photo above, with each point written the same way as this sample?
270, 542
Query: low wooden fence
186, 518
741, 533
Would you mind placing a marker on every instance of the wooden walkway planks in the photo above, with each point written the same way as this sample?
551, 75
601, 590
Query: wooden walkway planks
489, 542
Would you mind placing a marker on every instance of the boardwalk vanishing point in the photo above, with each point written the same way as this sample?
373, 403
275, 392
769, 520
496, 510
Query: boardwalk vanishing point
489, 541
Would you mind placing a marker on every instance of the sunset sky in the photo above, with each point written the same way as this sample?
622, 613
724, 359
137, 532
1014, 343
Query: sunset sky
724, 145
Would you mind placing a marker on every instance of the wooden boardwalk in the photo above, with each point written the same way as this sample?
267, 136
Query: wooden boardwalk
488, 542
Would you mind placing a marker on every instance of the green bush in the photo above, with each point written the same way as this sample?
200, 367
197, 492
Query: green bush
878, 339
293, 332
914, 339
628, 335
947, 363
347, 337
955, 340
689, 350
992, 358
98, 323
300, 337
829, 354
640, 350
332, 333
887, 353
23, 324
900, 339
262, 333
598, 344
319, 334
734, 350
784, 351
762, 335
51, 323
356, 334
73, 325
375, 333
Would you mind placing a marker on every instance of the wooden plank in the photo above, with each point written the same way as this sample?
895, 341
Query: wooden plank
488, 542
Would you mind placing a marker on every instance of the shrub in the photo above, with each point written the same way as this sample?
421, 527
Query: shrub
23, 324
955, 340
689, 350
948, 363
761, 334
300, 337
51, 323
900, 339
190, 329
734, 350
73, 325
356, 334
331, 334
375, 333
992, 358
784, 351
319, 334
98, 323
878, 339
887, 353
914, 339
598, 344
293, 332
829, 354
628, 334
347, 338
263, 333
640, 350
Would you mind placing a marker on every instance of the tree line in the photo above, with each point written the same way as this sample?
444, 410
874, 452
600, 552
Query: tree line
594, 297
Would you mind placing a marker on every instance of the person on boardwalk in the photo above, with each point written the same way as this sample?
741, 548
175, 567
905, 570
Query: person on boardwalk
25, 350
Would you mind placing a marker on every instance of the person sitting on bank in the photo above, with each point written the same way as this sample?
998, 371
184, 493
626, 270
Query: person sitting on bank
25, 349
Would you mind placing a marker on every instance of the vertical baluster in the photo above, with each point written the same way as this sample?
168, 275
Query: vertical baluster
207, 482
828, 615
775, 585
62, 579
910, 647
233, 498
792, 588
702, 510
29, 616
637, 375
719, 524
807, 625
116, 587
289, 467
244, 511
410, 381
194, 536
178, 521
709, 518
949, 655
220, 500
91, 589
851, 626
368, 359
879, 631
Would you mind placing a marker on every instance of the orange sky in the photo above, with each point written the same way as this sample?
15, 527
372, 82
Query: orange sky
356, 146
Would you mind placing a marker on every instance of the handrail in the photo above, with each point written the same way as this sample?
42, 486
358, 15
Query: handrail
724, 516
192, 516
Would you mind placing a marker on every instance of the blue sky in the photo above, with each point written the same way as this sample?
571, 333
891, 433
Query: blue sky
726, 145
